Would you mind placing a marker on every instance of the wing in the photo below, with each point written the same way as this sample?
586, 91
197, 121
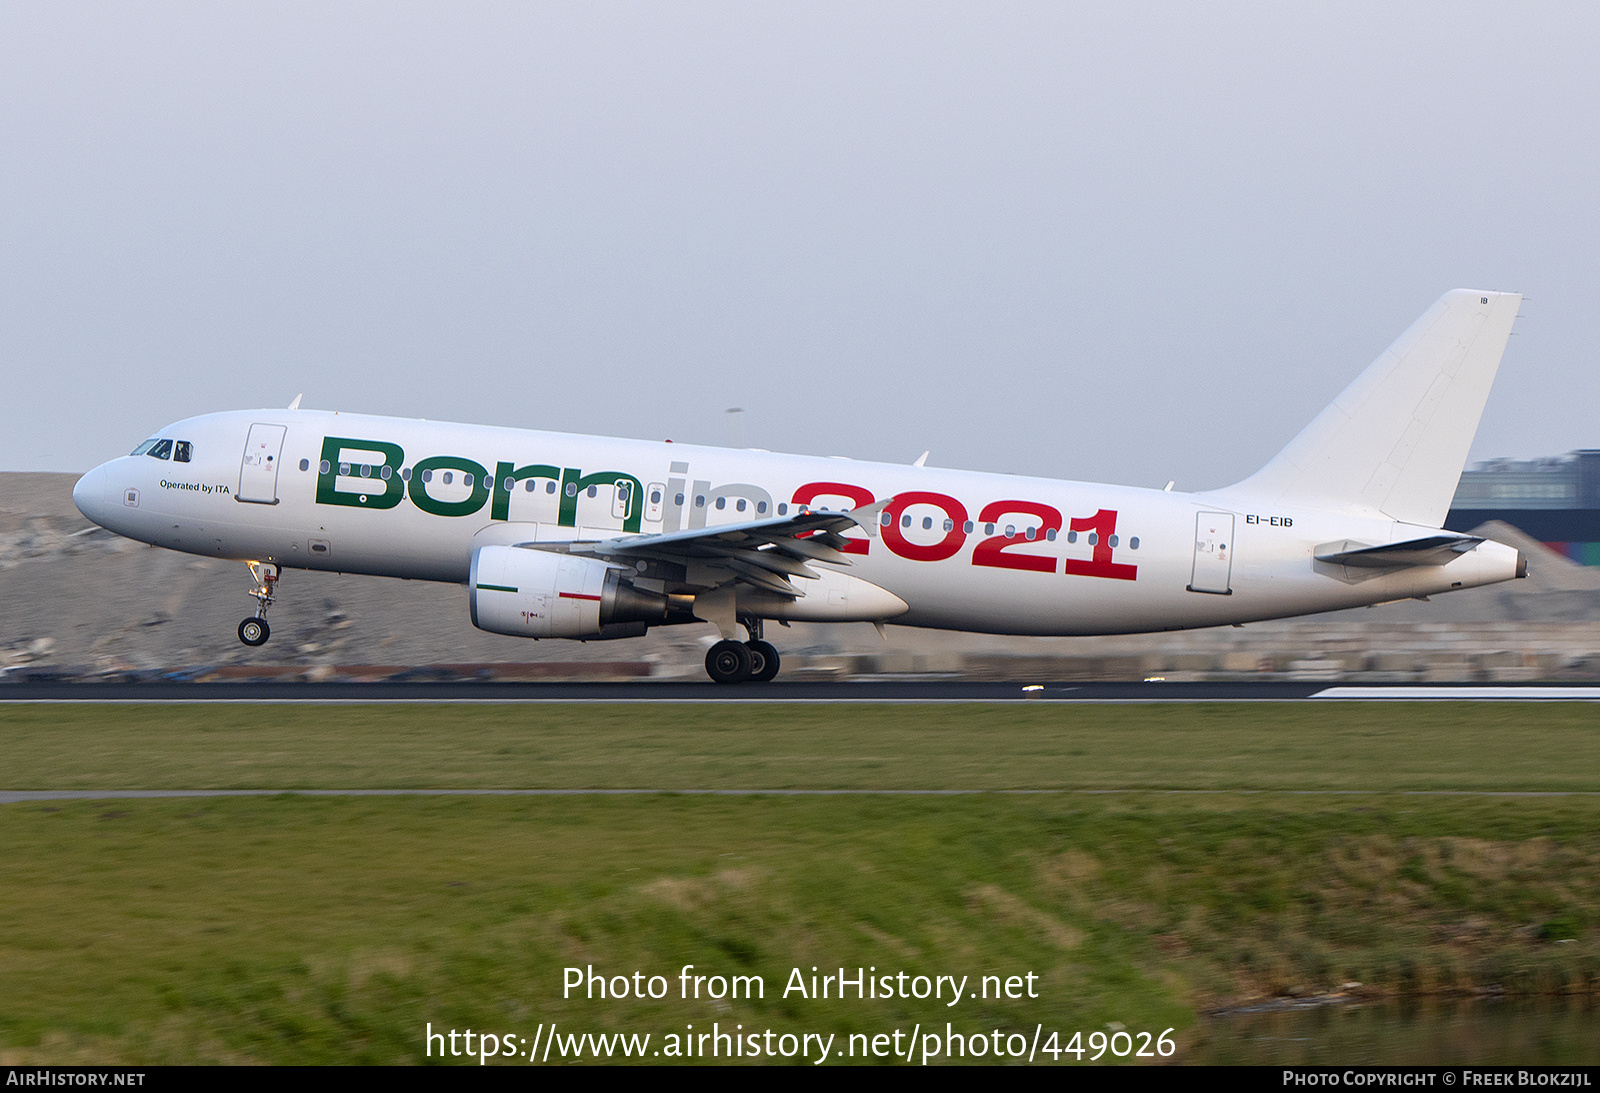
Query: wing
763, 553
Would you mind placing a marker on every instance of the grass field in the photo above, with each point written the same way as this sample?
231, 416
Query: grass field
1337, 746
294, 929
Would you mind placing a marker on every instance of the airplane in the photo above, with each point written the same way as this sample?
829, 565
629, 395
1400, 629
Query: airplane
557, 535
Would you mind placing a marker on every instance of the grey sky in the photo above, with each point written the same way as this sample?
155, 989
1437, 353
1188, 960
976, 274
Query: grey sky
1115, 242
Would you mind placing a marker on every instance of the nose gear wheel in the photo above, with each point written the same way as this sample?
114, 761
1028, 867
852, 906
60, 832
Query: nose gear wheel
254, 631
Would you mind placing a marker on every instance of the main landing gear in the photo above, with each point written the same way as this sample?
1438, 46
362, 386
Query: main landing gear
735, 662
254, 630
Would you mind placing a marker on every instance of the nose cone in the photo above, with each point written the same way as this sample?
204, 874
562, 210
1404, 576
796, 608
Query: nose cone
90, 495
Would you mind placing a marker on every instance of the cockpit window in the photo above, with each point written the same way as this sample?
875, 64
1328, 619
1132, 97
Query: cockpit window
157, 448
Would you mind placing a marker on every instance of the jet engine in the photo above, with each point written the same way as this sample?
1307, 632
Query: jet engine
530, 593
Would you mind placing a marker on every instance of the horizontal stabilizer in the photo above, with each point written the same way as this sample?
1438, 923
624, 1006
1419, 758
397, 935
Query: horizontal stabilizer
1431, 550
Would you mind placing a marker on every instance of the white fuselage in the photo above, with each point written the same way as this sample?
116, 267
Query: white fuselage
1157, 561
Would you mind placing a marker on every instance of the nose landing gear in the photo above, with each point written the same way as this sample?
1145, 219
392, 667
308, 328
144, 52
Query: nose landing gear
254, 630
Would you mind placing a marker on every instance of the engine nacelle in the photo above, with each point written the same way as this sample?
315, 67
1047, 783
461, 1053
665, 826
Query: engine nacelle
529, 593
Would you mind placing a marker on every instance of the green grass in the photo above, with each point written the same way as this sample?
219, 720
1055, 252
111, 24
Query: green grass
290, 929
1377, 747
295, 929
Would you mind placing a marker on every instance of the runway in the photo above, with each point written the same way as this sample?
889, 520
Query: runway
867, 691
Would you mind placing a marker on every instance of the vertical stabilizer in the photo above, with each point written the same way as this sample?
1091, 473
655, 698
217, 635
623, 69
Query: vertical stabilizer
1395, 441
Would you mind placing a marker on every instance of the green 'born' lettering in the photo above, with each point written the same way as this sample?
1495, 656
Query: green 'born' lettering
465, 507
500, 509
373, 492
575, 482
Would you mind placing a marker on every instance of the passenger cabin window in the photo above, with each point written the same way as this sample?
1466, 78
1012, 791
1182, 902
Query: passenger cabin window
182, 450
305, 464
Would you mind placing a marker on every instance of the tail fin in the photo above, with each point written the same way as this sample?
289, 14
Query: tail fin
1395, 442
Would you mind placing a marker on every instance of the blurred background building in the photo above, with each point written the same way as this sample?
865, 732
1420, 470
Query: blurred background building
1554, 500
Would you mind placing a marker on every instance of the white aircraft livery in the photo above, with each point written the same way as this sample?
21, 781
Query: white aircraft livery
557, 535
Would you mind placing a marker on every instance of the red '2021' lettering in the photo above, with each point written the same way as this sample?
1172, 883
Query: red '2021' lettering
992, 550
948, 547
997, 551
858, 497
1102, 527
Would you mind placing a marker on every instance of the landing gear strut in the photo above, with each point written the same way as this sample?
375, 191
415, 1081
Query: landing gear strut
254, 630
734, 662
